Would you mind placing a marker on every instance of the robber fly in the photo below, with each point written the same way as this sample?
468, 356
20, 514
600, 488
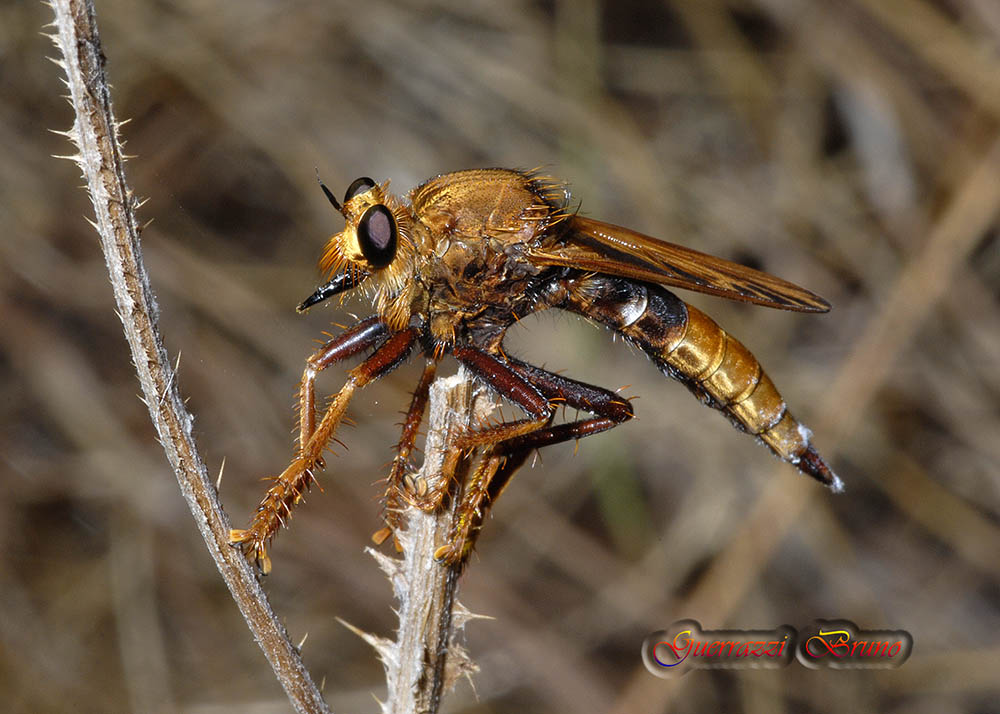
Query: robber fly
463, 258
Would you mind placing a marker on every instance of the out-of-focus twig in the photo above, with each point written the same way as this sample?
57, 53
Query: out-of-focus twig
95, 133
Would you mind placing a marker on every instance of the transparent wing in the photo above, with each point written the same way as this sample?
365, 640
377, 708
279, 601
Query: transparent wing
605, 248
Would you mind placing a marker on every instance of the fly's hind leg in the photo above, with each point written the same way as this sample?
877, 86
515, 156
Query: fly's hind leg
286, 492
508, 453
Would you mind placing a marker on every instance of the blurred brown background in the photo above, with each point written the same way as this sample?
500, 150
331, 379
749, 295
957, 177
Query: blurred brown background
851, 147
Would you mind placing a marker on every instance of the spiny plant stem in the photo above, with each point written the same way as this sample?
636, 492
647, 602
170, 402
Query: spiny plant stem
95, 134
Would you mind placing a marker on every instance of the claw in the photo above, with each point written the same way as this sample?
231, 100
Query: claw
379, 536
453, 552
262, 560
249, 543
238, 535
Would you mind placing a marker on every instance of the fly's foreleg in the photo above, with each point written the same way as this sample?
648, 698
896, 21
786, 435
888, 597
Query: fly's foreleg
367, 334
276, 506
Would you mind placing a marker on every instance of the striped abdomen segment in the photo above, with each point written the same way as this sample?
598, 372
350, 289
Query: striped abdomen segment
690, 347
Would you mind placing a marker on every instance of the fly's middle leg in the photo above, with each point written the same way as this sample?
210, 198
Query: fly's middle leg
401, 468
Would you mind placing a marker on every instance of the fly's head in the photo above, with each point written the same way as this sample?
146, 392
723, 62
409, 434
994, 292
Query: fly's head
374, 251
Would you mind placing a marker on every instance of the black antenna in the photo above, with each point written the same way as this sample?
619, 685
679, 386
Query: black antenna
329, 195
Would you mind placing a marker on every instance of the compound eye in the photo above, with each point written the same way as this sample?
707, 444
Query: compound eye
359, 186
377, 234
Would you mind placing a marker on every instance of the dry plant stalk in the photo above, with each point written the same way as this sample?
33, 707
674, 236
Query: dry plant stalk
95, 133
424, 659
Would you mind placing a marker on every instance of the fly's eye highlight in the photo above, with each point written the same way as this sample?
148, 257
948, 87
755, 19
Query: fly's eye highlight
358, 186
377, 234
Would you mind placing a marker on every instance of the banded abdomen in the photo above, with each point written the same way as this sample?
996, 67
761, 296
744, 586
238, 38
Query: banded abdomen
690, 347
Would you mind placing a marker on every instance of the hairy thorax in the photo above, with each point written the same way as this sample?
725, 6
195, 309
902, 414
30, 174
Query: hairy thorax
478, 288
477, 278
